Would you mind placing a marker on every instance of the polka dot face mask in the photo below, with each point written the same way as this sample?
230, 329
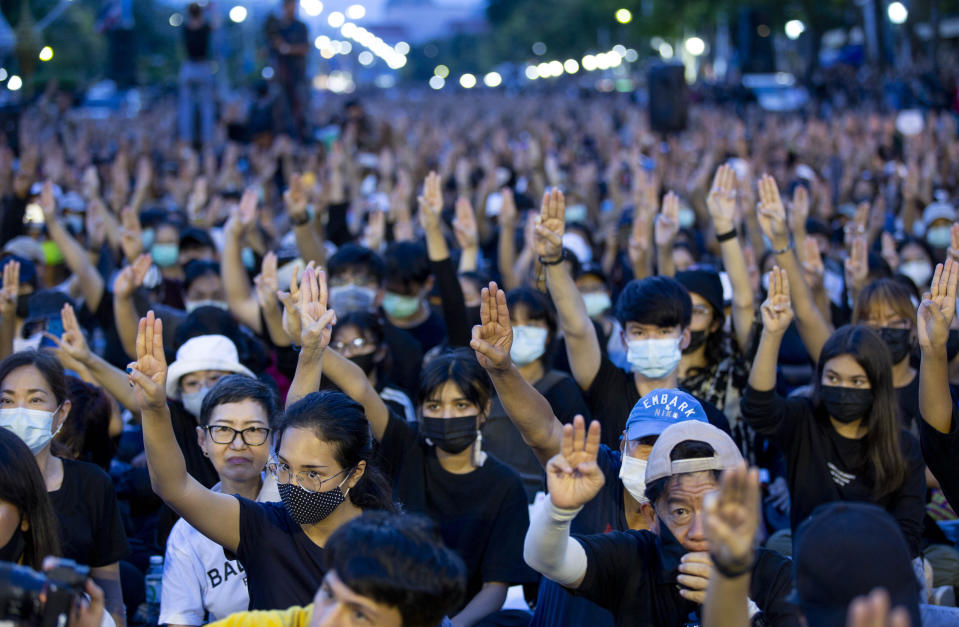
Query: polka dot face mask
309, 508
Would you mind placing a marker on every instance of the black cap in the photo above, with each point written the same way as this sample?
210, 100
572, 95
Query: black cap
845, 550
28, 270
707, 284
195, 238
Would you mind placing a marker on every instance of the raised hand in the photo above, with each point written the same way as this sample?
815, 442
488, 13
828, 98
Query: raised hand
732, 518
813, 269
889, 252
72, 345
667, 222
953, 251
243, 215
431, 202
291, 305
131, 277
572, 476
493, 337
507, 212
464, 225
800, 209
550, 226
95, 223
294, 199
857, 265
11, 289
938, 308
147, 374
131, 234
48, 203
772, 213
721, 200
874, 611
267, 283
375, 230
316, 321
777, 311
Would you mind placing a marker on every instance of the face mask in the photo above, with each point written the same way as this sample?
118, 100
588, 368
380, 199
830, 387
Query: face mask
696, 339
400, 306
74, 223
529, 344
453, 435
365, 362
23, 305
249, 258
192, 305
919, 271
596, 303
31, 425
654, 359
939, 236
687, 217
578, 245
898, 341
309, 508
576, 213
952, 345
165, 255
346, 299
12, 551
192, 402
633, 475
846, 404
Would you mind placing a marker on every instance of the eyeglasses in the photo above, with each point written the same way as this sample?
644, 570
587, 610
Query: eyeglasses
701, 311
357, 343
309, 480
252, 436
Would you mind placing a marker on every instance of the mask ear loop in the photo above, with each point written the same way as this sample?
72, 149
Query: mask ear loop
479, 457
62, 422
345, 479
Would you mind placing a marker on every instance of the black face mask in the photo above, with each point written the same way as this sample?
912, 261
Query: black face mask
846, 404
696, 339
952, 344
453, 435
899, 342
12, 551
23, 305
365, 362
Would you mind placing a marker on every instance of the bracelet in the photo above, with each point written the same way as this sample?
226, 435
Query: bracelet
728, 235
554, 262
731, 572
785, 250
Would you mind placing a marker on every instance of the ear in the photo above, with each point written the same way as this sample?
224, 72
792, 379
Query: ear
684, 339
357, 475
61, 416
649, 513
201, 439
716, 325
24, 525
622, 443
427, 287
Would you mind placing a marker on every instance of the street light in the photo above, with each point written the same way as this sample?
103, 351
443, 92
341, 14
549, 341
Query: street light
467, 81
46, 53
493, 79
356, 11
898, 13
794, 28
311, 7
695, 46
437, 82
624, 16
238, 14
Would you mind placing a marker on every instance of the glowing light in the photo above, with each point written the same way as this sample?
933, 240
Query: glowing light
238, 14
589, 63
365, 58
176, 19
402, 47
267, 73
397, 62
311, 7
898, 13
46, 53
794, 28
14, 83
665, 50
531, 72
321, 42
356, 11
624, 16
695, 46
493, 79
335, 19
467, 81
539, 48
631, 55
442, 71
349, 30
345, 47
571, 66
327, 53
437, 82
544, 70
3, 73
556, 68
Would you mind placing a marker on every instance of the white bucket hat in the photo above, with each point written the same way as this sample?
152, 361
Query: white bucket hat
204, 352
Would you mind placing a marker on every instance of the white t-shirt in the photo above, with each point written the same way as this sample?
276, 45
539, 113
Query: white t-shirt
197, 576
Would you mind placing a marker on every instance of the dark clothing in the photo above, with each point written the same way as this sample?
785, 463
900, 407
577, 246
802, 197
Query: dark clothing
907, 402
482, 515
283, 566
197, 42
612, 395
458, 330
89, 524
406, 356
822, 466
940, 451
13, 209
291, 68
633, 574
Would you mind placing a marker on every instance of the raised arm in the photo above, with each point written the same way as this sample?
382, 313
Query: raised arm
124, 310
316, 327
239, 295
582, 345
777, 313
506, 244
215, 515
307, 238
267, 286
467, 235
527, 408
721, 203
8, 307
666, 229
936, 312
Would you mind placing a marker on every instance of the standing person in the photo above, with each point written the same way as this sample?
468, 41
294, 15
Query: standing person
196, 90
290, 41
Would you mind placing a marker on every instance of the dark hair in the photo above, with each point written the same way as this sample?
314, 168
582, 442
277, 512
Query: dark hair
657, 300
407, 264
460, 367
687, 449
401, 562
886, 291
22, 485
235, 388
209, 320
883, 449
199, 268
370, 325
194, 9
337, 419
85, 434
358, 259
46, 363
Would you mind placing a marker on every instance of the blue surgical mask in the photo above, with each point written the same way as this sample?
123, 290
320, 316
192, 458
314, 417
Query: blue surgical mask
576, 213
654, 359
33, 426
249, 258
939, 236
165, 255
529, 344
147, 237
596, 303
687, 217
400, 306
348, 298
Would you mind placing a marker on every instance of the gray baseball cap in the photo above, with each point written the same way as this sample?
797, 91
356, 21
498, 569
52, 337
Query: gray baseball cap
725, 454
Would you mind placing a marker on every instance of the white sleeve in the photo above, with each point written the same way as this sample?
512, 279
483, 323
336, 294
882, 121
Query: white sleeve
549, 549
181, 594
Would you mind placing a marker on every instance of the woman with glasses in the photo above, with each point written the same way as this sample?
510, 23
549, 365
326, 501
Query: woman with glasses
200, 583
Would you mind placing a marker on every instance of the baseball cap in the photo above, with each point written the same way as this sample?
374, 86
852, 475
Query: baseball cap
660, 463
939, 210
659, 409
844, 550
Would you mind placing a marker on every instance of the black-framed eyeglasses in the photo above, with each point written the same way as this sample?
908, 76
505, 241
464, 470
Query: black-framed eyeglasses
251, 436
309, 480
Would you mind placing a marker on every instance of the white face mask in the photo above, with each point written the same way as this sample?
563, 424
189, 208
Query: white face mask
192, 402
654, 359
33, 426
529, 344
596, 303
633, 475
192, 305
919, 271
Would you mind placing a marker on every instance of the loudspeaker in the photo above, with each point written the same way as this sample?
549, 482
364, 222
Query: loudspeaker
668, 98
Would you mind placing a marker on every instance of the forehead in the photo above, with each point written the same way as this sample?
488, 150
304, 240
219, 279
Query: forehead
25, 378
844, 365
204, 374
913, 251
242, 412
691, 486
697, 299
632, 326
589, 280
348, 333
301, 447
883, 309
446, 392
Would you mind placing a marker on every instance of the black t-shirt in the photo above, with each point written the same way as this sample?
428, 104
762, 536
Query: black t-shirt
612, 396
197, 42
283, 566
429, 333
822, 466
406, 356
633, 574
940, 450
907, 400
90, 528
482, 515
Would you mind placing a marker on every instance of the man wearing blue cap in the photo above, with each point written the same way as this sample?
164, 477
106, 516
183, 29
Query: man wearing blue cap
620, 505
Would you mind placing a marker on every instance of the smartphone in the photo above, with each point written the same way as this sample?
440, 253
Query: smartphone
54, 327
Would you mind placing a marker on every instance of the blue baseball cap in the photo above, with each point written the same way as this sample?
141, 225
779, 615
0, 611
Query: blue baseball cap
660, 409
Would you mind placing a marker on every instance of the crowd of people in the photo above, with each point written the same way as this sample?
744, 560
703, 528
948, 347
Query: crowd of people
483, 359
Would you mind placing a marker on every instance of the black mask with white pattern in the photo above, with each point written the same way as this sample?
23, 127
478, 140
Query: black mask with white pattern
309, 508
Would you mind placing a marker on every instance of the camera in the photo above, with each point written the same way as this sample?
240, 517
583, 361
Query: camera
42, 599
